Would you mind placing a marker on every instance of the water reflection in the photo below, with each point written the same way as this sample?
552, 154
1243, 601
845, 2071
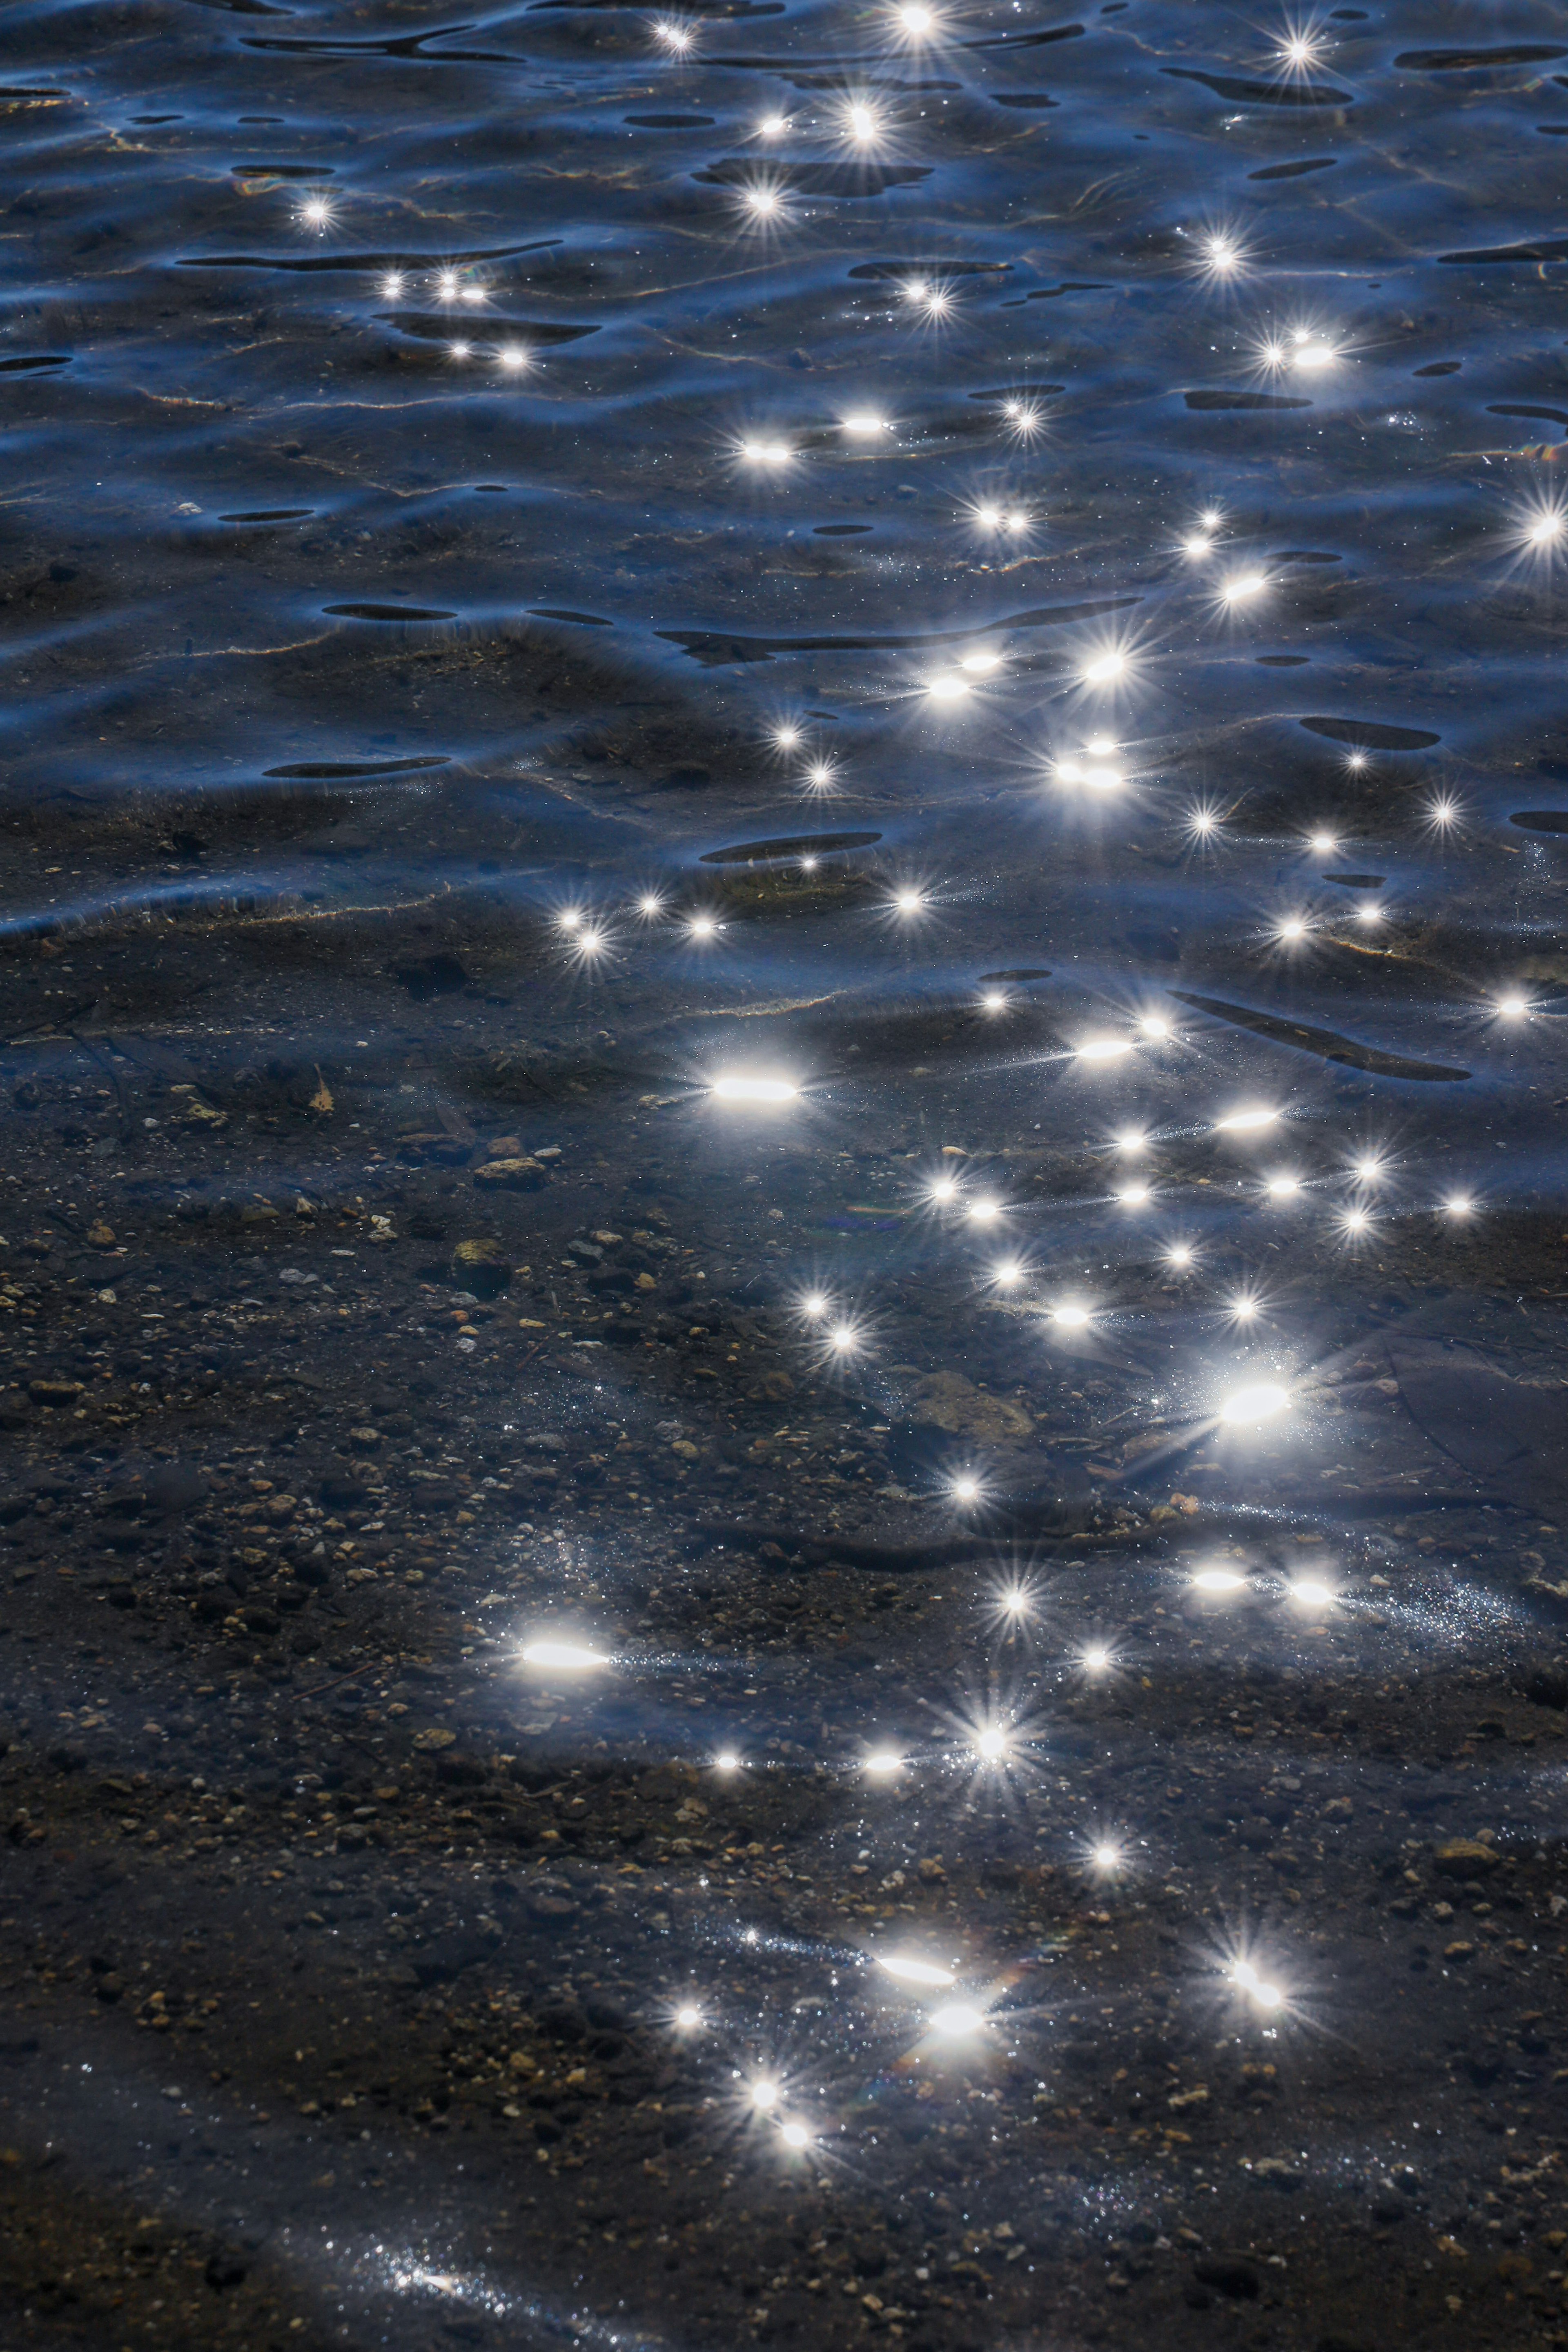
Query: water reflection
755, 1609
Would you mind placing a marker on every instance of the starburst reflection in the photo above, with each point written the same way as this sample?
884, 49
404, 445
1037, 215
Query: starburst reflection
570, 1657
1262, 1401
905, 1969
956, 2022
740, 1087
1261, 1993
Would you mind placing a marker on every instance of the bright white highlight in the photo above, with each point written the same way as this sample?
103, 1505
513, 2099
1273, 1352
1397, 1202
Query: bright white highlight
1262, 1402
679, 39
1244, 1122
917, 1973
734, 1089
795, 2135
1511, 1008
727, 1762
1068, 1318
865, 422
1245, 1976
1459, 1204
1242, 586
767, 453
1282, 1188
1307, 1594
883, 1762
686, 2017
764, 2094
1218, 1580
1104, 670
956, 2021
991, 1744
571, 1656
1102, 1049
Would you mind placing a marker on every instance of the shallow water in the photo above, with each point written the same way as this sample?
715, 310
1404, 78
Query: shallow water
782, 841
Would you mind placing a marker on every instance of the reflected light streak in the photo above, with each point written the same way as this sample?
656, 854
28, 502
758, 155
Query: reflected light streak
572, 1656
907, 1971
1262, 1401
1249, 1121
734, 1087
957, 2021
1246, 1977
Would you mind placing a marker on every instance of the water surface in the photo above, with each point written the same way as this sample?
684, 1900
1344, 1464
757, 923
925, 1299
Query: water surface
782, 839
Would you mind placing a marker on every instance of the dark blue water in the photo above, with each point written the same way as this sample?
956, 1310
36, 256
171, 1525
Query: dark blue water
783, 978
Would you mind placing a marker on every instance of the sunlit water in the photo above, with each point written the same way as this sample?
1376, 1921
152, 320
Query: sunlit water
784, 975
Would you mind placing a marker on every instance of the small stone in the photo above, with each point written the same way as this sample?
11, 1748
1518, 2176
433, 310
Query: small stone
524, 1174
101, 1236
1466, 1858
